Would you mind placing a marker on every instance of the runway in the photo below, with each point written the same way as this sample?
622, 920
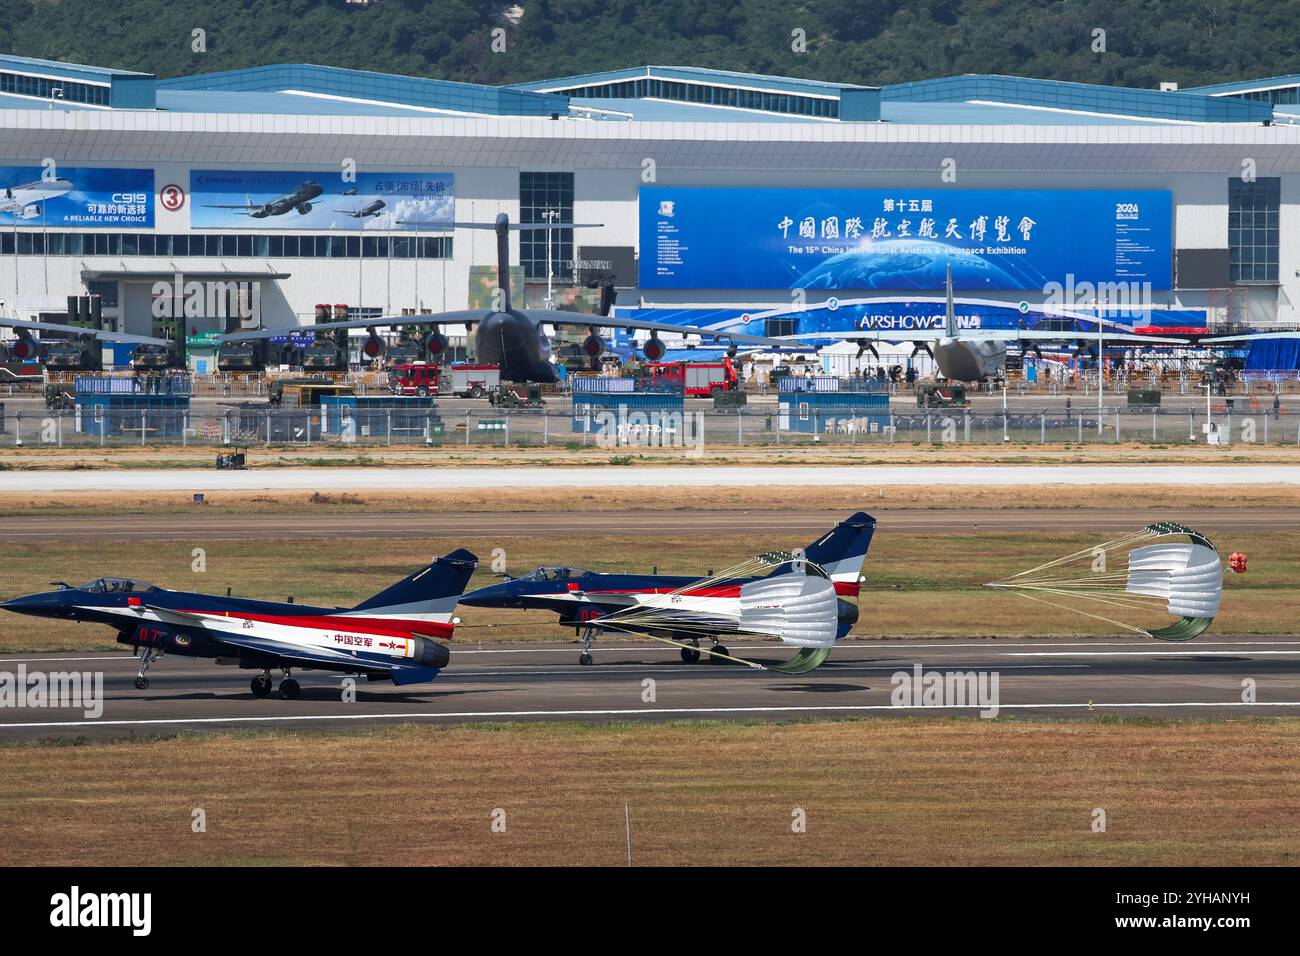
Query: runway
630, 681
432, 480
214, 525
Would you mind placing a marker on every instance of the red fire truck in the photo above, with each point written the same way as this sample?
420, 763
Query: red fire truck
424, 378
414, 378
696, 378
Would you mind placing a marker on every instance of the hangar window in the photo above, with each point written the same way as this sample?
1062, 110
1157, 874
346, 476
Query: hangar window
543, 198
1253, 210
37, 242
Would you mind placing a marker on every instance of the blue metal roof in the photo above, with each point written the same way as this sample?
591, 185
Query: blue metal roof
695, 74
654, 93
1081, 97
73, 71
1243, 86
375, 87
225, 101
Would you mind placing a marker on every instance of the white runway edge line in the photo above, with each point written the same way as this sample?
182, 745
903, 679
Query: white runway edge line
424, 480
651, 711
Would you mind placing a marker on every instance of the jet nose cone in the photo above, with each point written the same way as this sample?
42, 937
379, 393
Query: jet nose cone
485, 597
30, 604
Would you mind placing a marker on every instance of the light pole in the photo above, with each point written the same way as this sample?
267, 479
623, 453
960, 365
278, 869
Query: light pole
1208, 424
551, 215
1005, 436
1101, 368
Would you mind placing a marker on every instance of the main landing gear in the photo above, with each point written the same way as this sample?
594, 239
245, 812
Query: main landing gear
260, 685
151, 654
691, 655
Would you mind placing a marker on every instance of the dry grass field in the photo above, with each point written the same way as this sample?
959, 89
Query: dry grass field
880, 792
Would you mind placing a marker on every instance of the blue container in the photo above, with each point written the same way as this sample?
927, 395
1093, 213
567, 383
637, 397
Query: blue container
594, 412
833, 412
122, 415
369, 416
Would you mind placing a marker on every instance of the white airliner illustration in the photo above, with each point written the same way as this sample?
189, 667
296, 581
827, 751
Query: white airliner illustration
24, 201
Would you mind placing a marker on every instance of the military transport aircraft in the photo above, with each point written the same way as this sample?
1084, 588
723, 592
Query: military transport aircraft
797, 596
391, 636
72, 350
511, 338
972, 355
300, 199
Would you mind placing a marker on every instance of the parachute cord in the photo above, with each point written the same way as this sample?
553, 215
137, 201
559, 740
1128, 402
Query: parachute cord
1133, 603
1114, 545
1075, 610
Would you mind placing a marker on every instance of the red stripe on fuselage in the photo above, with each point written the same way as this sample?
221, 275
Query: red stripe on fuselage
732, 591
384, 627
847, 588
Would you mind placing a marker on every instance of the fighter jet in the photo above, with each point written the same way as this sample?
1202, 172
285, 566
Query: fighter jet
972, 355
300, 199
514, 339
687, 608
391, 636
24, 201
373, 208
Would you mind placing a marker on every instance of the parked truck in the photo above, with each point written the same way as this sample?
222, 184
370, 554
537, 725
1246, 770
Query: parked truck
698, 379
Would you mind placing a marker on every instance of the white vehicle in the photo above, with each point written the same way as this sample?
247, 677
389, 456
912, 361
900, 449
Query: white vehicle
473, 381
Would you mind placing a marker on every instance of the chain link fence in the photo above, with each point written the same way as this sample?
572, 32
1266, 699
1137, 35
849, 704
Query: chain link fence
692, 429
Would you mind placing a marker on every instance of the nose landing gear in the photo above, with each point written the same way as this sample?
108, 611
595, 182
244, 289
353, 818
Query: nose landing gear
151, 654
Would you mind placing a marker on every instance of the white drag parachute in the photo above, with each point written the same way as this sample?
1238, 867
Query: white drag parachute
1165, 568
798, 608
794, 602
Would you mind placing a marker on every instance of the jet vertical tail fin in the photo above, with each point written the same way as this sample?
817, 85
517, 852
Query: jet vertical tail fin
431, 593
841, 551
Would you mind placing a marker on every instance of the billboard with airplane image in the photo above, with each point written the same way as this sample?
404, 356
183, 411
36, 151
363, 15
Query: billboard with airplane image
901, 239
76, 197
323, 201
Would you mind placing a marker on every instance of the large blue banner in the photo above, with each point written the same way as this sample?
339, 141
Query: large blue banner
269, 199
76, 197
863, 239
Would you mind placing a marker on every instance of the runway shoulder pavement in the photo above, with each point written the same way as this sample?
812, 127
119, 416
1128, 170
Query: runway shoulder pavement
643, 476
1076, 678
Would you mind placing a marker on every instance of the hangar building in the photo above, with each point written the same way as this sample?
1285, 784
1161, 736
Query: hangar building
706, 194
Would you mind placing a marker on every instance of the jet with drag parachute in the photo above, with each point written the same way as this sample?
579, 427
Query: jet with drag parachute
802, 597
393, 636
513, 339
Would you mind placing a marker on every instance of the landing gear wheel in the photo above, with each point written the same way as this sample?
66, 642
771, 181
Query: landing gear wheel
690, 655
584, 658
290, 688
141, 683
718, 649
260, 685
